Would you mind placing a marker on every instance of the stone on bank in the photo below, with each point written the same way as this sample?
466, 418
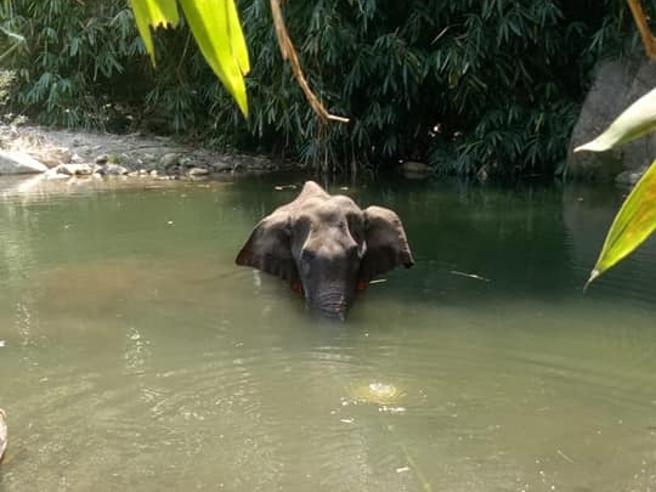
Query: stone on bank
12, 163
617, 84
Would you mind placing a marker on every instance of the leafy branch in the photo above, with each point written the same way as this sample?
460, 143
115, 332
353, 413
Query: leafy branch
648, 39
216, 28
289, 53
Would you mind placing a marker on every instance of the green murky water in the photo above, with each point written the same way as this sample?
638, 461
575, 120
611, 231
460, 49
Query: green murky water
134, 355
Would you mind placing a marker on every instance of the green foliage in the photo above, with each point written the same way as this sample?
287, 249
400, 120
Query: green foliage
633, 224
636, 220
461, 85
75, 53
216, 28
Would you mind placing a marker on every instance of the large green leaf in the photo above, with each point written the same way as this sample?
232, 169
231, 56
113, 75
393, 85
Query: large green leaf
637, 120
634, 223
153, 13
215, 26
239, 49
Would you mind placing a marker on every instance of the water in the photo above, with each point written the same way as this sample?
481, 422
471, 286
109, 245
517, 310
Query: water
136, 355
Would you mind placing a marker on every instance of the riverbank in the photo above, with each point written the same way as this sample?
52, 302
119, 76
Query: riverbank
67, 153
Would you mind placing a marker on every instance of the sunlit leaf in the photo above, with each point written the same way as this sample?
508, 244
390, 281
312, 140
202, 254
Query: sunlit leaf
637, 120
634, 223
217, 31
153, 13
239, 48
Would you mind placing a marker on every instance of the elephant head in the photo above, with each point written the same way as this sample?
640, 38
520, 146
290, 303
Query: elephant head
327, 248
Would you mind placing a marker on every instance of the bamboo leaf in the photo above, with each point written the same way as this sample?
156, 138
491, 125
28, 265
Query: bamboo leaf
153, 13
216, 28
637, 120
634, 223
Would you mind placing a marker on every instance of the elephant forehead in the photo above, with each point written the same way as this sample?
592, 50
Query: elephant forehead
330, 211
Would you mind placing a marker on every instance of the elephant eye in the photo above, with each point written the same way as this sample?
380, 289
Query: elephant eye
352, 250
308, 255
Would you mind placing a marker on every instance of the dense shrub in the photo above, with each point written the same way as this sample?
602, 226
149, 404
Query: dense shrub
494, 83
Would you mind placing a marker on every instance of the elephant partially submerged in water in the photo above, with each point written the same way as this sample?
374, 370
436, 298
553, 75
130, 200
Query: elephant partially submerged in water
327, 248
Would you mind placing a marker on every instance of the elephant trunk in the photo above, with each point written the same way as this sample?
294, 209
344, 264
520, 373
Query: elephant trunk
331, 305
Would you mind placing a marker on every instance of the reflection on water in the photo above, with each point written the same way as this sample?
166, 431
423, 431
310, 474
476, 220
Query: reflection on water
136, 355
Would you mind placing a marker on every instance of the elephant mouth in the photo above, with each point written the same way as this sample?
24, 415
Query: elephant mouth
329, 306
331, 316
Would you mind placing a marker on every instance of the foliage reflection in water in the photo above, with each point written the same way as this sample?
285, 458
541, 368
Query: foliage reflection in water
137, 355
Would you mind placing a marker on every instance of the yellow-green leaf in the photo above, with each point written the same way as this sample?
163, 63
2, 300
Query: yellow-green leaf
153, 13
237, 40
634, 223
637, 120
216, 29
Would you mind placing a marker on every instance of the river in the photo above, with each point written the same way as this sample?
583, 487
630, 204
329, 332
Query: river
135, 355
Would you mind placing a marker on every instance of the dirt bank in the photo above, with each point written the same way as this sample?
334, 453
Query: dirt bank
68, 152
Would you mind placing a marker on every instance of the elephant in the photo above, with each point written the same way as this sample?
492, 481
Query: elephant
327, 248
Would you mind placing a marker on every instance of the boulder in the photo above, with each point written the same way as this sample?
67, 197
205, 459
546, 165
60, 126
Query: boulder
416, 167
19, 163
197, 172
617, 84
74, 169
415, 170
112, 170
55, 174
169, 160
221, 166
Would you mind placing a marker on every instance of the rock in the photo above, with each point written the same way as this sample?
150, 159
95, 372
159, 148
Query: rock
154, 173
416, 167
74, 169
255, 163
617, 84
169, 160
102, 159
55, 174
221, 166
112, 170
52, 156
19, 163
197, 171
3, 433
630, 177
415, 170
187, 162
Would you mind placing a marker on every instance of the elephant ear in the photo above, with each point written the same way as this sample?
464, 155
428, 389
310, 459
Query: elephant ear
269, 248
387, 245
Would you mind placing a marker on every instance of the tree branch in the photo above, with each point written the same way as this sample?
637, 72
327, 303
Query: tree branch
648, 39
289, 53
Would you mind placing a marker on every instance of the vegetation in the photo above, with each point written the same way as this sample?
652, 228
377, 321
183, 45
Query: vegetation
461, 85
636, 220
216, 28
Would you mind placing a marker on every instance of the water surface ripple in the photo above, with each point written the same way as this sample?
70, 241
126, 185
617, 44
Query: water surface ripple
135, 355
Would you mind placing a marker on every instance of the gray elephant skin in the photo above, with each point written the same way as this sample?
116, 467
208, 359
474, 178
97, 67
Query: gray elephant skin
327, 248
